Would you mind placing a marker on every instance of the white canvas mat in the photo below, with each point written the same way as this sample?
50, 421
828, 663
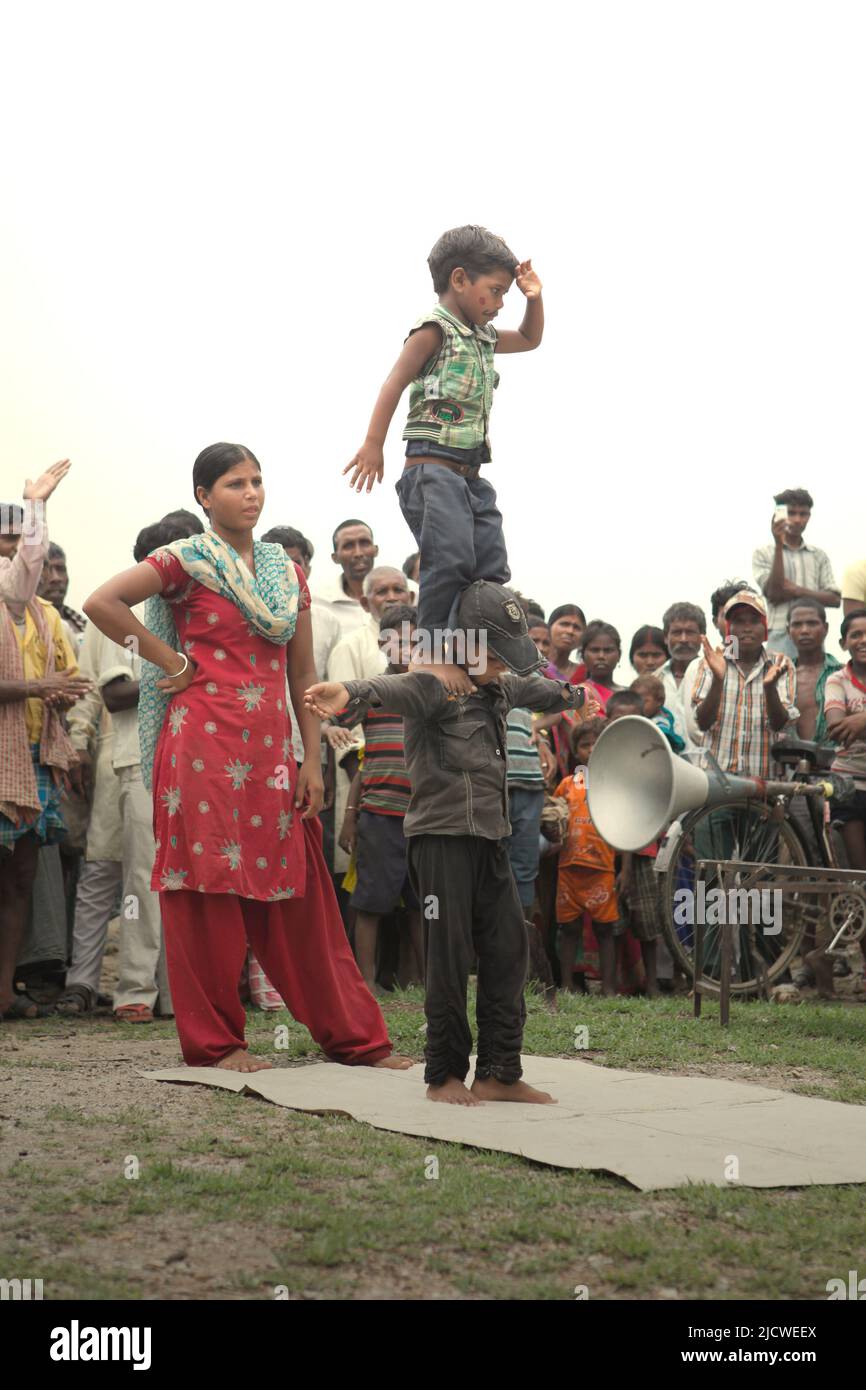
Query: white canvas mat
654, 1130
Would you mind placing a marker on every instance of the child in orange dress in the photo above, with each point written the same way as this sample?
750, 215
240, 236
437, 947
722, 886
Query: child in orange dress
586, 879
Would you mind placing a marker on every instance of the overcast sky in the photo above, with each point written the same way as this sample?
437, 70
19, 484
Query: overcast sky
215, 224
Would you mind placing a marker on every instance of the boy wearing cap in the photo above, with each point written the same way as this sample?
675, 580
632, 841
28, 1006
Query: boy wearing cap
456, 825
743, 695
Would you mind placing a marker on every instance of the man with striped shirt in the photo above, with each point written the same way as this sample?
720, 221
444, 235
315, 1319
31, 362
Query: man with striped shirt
744, 695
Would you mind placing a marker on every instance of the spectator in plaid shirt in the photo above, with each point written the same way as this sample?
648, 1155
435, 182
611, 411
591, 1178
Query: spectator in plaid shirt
744, 695
448, 360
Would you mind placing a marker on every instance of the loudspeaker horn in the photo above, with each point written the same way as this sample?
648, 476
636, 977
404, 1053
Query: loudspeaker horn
636, 785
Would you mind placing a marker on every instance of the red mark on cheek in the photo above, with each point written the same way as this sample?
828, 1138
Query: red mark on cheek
483, 302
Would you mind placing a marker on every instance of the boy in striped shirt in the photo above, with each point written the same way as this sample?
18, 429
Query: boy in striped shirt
377, 804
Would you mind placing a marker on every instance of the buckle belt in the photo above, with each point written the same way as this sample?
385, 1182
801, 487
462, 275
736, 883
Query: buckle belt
465, 470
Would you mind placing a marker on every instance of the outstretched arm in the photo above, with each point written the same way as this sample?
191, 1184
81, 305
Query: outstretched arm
416, 694
369, 462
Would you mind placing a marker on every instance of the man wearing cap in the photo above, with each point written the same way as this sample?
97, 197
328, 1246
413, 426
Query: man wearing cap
456, 826
743, 695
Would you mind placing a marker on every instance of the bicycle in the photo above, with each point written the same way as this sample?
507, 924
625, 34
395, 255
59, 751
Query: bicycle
734, 853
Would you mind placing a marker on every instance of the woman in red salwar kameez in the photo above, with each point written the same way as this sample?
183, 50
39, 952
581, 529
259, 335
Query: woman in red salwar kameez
238, 844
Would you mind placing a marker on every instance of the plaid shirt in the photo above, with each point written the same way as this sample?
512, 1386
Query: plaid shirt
804, 564
741, 736
450, 401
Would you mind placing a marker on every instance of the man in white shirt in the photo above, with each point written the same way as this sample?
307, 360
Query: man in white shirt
355, 553
142, 987
789, 568
684, 624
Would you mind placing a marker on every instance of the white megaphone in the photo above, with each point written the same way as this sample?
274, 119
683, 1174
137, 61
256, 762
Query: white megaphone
637, 786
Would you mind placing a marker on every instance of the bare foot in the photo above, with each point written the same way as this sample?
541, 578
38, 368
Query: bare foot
452, 1092
395, 1062
488, 1089
240, 1060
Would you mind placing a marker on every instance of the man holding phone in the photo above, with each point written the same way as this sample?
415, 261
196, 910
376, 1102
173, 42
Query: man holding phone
790, 568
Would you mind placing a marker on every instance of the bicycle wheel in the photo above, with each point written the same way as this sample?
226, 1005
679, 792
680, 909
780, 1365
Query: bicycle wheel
765, 940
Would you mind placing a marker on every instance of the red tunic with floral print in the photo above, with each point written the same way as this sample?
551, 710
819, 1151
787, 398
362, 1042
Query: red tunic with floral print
224, 778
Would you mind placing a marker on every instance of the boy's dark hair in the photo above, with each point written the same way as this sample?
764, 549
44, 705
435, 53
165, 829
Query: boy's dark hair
184, 522
808, 603
290, 539
726, 590
625, 697
589, 726
473, 248
794, 497
598, 629
534, 610
396, 614
684, 613
533, 621
409, 562
149, 538
849, 619
352, 521
566, 610
645, 635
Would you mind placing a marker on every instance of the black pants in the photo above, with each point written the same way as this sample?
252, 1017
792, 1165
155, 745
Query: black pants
471, 908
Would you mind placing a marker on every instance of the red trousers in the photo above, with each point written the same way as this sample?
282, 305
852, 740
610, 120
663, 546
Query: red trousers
302, 946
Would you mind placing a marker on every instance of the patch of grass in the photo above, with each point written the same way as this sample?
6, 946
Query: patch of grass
250, 1197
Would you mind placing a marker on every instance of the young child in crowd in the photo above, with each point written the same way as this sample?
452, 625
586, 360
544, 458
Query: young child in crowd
638, 882
602, 650
456, 826
378, 801
586, 875
652, 693
448, 360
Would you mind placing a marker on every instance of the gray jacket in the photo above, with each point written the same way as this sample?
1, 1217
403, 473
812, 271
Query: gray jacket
456, 745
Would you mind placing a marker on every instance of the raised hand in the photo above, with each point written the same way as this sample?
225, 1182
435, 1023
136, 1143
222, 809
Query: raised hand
46, 482
326, 698
779, 528
774, 670
527, 281
715, 659
368, 465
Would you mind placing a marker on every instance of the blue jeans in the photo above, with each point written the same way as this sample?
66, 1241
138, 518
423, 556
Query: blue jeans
458, 530
524, 811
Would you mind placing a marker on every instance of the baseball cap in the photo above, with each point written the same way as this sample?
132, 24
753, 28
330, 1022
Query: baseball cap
747, 600
496, 611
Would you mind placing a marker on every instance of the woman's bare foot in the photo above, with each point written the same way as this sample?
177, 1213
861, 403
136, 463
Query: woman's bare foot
488, 1089
240, 1060
452, 1092
395, 1062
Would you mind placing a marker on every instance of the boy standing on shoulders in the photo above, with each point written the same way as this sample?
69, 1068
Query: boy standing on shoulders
448, 359
456, 826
